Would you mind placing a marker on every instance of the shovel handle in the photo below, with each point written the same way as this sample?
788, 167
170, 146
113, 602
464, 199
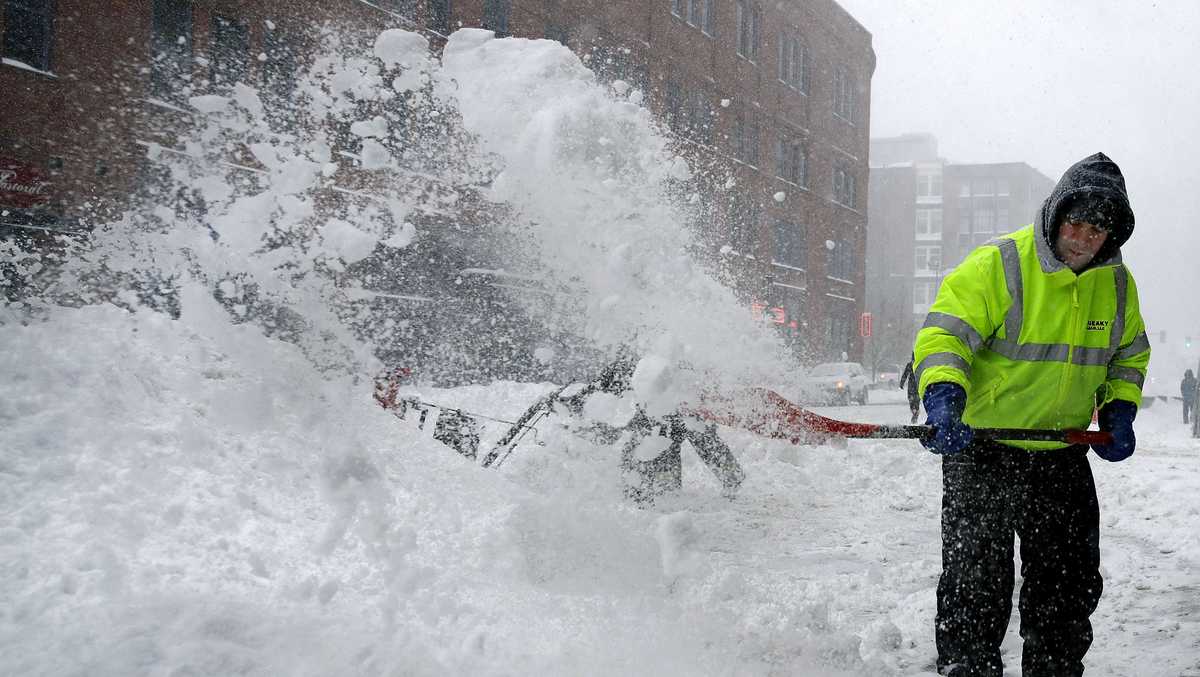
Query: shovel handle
917, 432
774, 416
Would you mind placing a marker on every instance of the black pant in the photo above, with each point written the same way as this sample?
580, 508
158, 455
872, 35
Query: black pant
1187, 407
1048, 499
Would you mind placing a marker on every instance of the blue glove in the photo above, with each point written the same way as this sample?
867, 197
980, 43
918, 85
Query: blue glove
944, 404
1117, 417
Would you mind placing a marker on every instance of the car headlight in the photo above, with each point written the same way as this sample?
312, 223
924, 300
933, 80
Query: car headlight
840, 385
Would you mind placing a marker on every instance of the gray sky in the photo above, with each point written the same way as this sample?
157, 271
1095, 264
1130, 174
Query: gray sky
1051, 81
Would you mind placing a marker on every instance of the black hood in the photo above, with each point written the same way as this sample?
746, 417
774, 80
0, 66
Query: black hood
1095, 176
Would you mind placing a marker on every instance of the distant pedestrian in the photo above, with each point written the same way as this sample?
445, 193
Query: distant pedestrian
1187, 388
914, 399
1195, 418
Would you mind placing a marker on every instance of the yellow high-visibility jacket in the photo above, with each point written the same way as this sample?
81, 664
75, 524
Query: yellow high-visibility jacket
1034, 344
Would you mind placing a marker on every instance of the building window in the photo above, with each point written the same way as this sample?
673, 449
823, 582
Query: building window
439, 16
29, 32
840, 263
745, 139
928, 260
282, 65
749, 19
964, 189
791, 62
744, 214
791, 161
1002, 187
171, 46
838, 327
612, 62
673, 104
698, 13
791, 244
844, 189
1002, 218
495, 16
923, 294
688, 113
230, 53
557, 33
985, 220
699, 117
843, 94
929, 224
982, 187
929, 184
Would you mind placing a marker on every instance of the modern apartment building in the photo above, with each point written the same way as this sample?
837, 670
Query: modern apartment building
926, 215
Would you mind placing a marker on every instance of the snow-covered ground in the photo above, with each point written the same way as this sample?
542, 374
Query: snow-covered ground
194, 499
187, 496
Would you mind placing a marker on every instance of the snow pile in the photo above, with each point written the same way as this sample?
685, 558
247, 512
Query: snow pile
588, 168
189, 497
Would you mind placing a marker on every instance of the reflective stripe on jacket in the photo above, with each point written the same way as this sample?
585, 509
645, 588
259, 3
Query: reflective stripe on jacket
1034, 344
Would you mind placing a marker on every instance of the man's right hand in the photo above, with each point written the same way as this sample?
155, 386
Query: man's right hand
1117, 417
944, 405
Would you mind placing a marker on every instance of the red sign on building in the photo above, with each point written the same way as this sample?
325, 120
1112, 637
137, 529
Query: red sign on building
864, 325
21, 185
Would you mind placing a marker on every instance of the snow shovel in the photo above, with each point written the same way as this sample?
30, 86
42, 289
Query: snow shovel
768, 413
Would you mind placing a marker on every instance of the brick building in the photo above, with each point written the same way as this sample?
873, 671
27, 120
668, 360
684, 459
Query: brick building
926, 214
83, 84
778, 94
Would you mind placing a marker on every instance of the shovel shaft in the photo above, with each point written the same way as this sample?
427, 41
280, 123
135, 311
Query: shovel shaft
767, 413
998, 434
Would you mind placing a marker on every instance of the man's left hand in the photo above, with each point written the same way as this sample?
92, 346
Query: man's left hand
1117, 417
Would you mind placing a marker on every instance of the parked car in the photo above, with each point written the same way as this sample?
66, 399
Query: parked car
837, 383
888, 376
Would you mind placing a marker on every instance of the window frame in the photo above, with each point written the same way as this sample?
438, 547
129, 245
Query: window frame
926, 181
929, 295
745, 215
227, 66
839, 261
791, 160
923, 229
791, 244
845, 188
14, 45
748, 23
844, 94
169, 57
926, 253
441, 16
983, 219
793, 64
279, 72
747, 137
497, 17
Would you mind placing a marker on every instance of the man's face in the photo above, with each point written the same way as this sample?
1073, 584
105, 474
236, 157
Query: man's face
1078, 242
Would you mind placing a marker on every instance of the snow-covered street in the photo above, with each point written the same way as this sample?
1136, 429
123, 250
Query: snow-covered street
191, 498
